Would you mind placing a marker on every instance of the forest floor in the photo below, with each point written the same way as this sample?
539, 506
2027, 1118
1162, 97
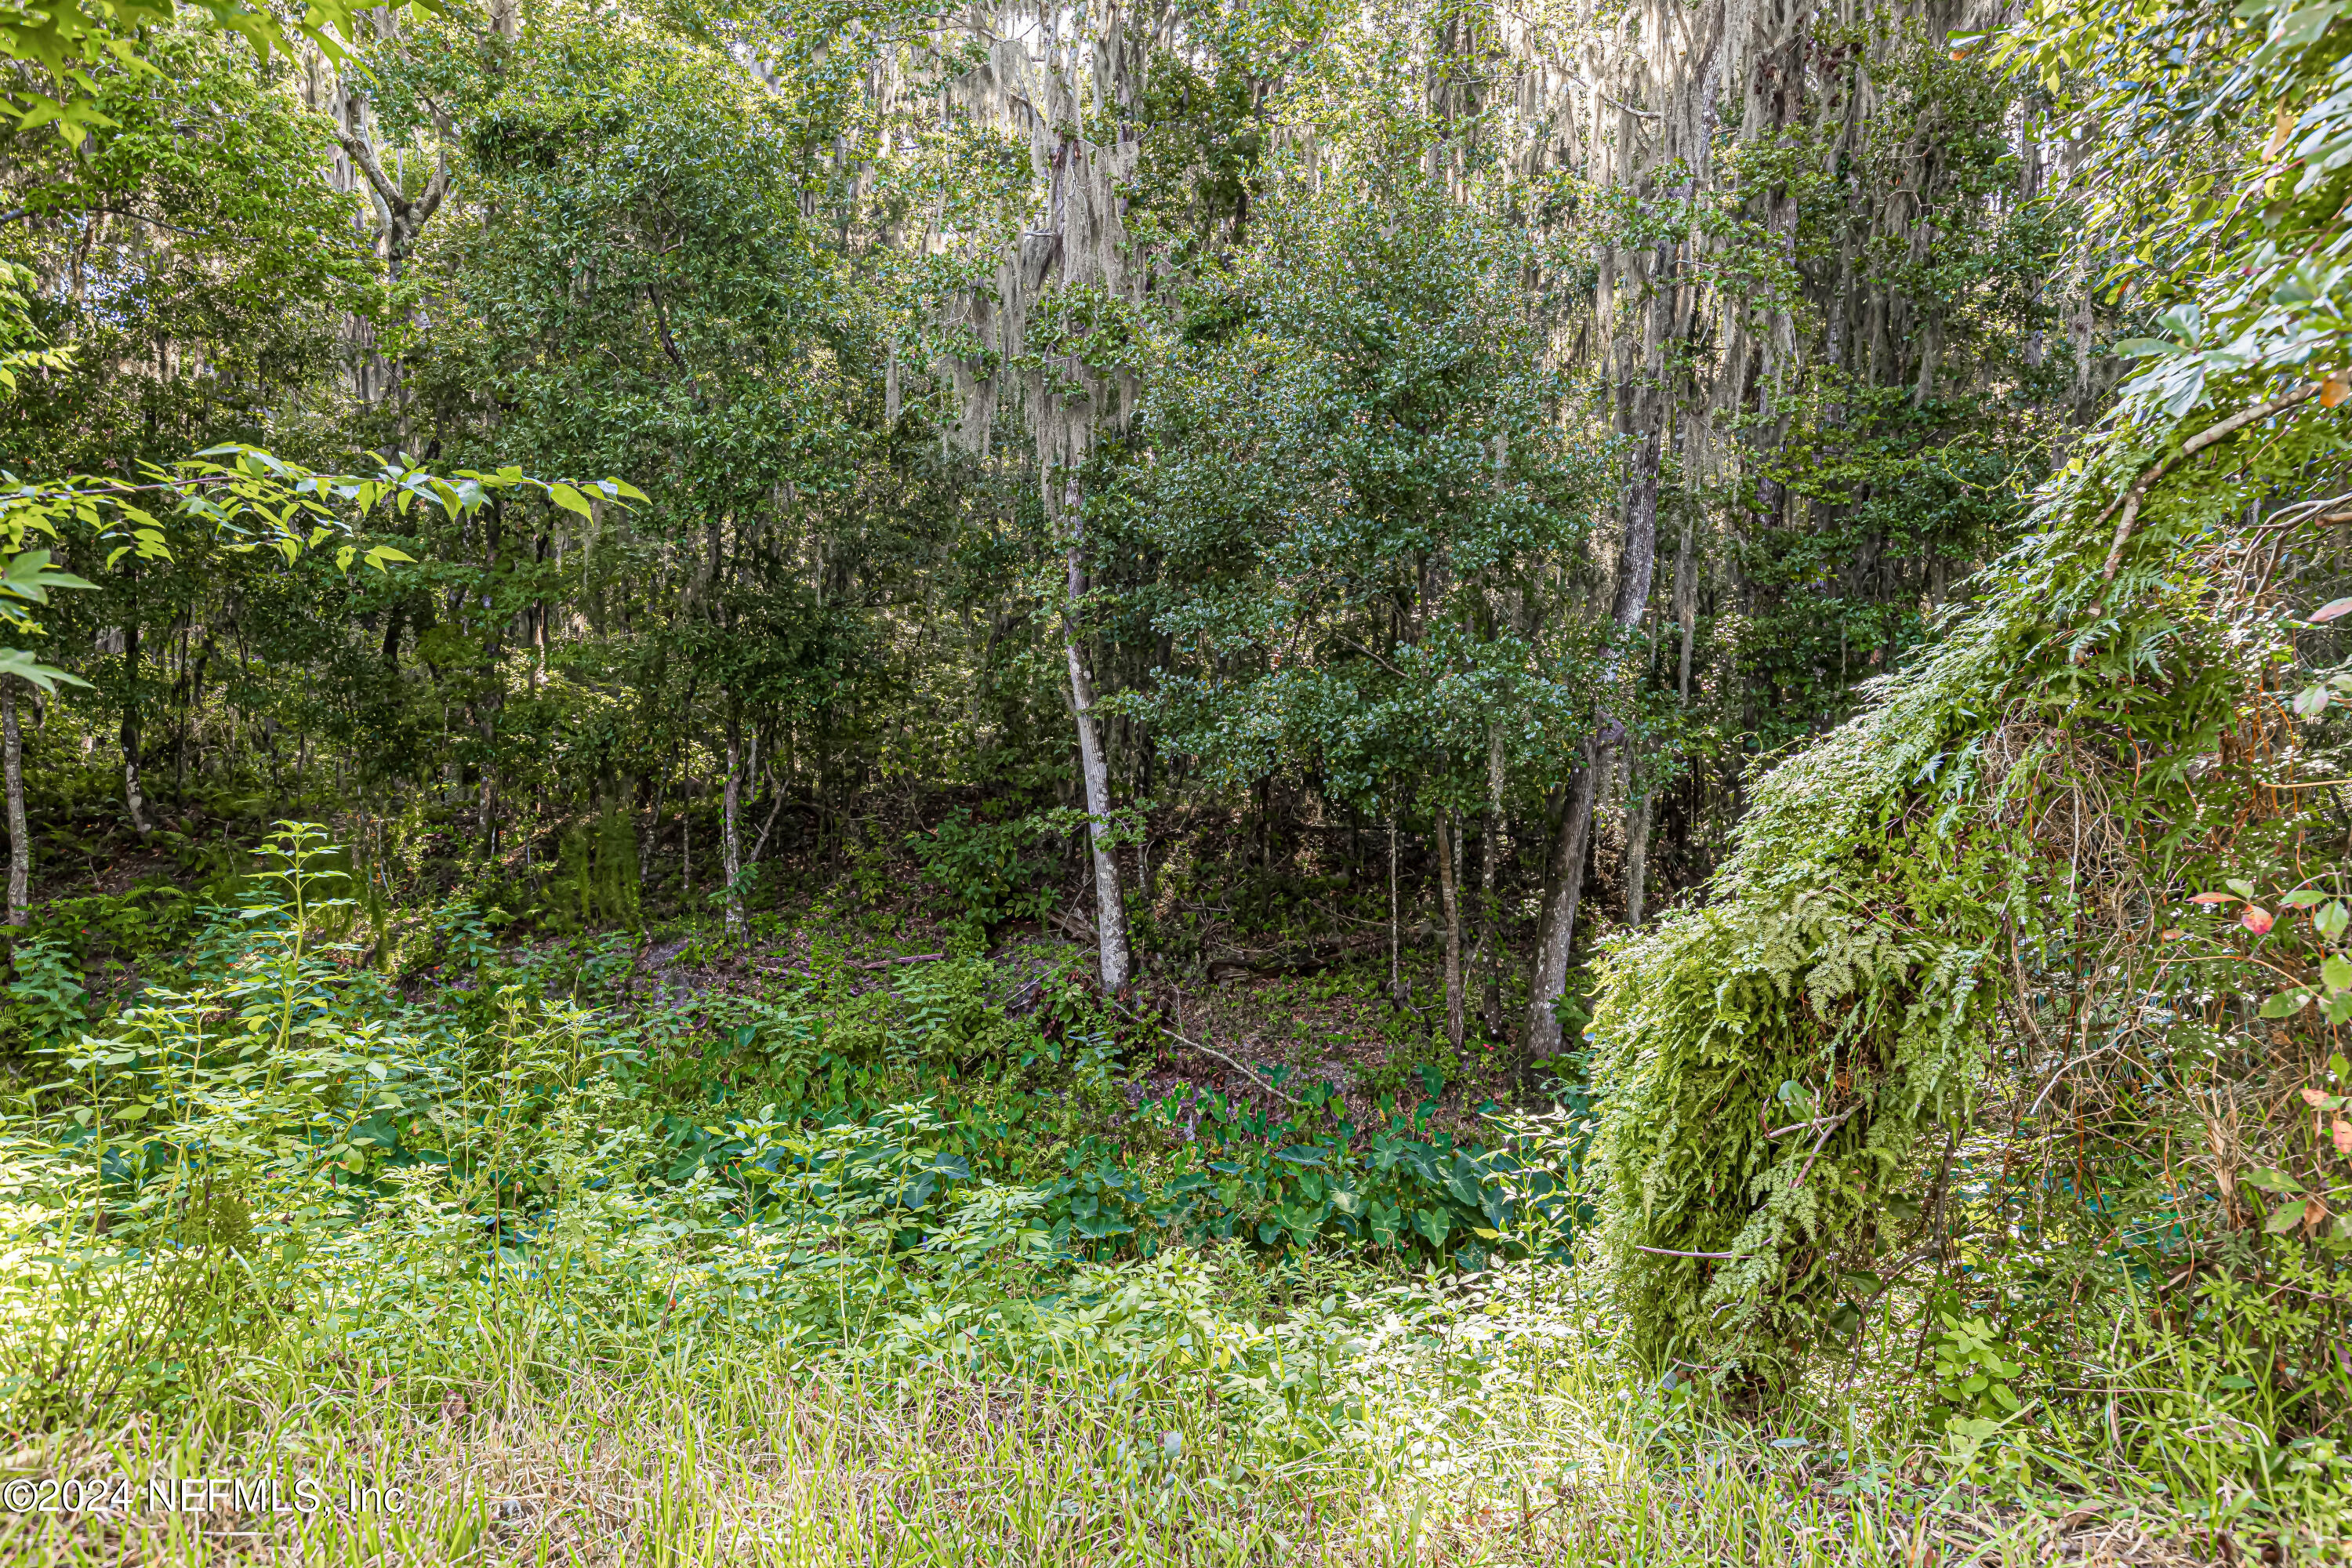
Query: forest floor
1214, 1156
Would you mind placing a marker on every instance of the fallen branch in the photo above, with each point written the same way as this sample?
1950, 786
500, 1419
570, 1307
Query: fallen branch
887, 962
1210, 1050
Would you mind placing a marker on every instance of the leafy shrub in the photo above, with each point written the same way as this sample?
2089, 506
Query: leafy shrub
989, 871
46, 998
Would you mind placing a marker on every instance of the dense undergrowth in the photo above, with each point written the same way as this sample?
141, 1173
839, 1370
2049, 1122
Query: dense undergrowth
498, 1228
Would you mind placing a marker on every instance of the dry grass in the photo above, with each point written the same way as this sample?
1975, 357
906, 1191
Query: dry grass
763, 1466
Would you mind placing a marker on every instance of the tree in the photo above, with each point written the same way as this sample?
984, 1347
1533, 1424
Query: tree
1366, 512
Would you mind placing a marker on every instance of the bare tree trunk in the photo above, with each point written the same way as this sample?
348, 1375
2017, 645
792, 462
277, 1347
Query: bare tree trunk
1637, 837
1110, 907
1635, 563
1685, 607
1489, 962
1449, 894
1396, 976
1564, 882
1110, 911
20, 837
731, 842
131, 796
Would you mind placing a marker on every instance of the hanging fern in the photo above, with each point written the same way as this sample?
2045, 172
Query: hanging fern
1773, 1060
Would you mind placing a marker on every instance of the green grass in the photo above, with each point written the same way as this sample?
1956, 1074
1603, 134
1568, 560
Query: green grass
1490, 1427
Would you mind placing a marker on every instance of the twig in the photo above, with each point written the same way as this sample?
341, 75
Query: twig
1211, 1050
1901, 1267
1818, 1143
1801, 1126
776, 797
1670, 1252
2059, 1076
1604, 97
887, 962
104, 212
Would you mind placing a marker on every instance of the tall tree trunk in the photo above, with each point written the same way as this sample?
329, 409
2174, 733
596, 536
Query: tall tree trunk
1490, 963
1636, 562
20, 837
732, 840
1686, 608
1564, 885
1637, 835
1110, 911
1449, 893
1093, 766
131, 796
1396, 972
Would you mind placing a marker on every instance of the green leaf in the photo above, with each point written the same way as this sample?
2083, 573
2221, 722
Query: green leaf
2289, 1216
16, 661
2286, 1004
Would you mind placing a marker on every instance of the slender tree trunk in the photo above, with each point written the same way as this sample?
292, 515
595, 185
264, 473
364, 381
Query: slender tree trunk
1637, 837
1635, 563
1686, 608
1490, 963
732, 840
20, 837
1110, 911
1110, 907
1396, 973
1565, 880
1450, 895
131, 796
1645, 406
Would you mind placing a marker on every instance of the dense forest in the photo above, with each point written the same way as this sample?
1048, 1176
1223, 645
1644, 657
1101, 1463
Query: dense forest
1394, 781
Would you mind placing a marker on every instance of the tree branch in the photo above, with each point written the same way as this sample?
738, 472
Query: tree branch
362, 157
2130, 499
104, 212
